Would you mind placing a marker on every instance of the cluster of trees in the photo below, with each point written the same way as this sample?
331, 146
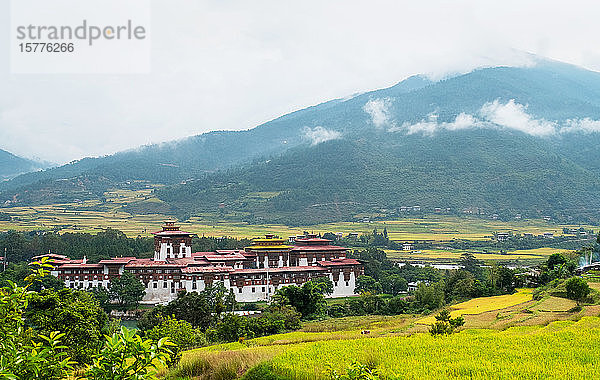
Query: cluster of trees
124, 292
22, 246
49, 334
208, 315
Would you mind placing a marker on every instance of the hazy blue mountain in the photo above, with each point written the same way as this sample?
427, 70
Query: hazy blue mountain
505, 140
11, 165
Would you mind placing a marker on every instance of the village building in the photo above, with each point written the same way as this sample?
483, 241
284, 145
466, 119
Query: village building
252, 274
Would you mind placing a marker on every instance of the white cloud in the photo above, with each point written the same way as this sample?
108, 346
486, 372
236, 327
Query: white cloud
510, 115
379, 111
232, 65
431, 124
319, 134
513, 115
586, 125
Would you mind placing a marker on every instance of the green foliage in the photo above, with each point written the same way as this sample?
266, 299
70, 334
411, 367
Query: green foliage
307, 299
277, 319
355, 371
577, 288
22, 246
367, 284
445, 325
127, 290
126, 356
324, 283
430, 297
181, 333
555, 260
74, 312
201, 309
24, 353
102, 295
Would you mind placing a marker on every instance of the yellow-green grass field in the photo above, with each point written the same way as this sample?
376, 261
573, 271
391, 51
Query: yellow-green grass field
565, 350
484, 304
504, 337
93, 216
454, 254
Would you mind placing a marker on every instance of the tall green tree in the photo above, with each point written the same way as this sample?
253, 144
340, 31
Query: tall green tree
577, 289
307, 299
127, 290
74, 312
25, 353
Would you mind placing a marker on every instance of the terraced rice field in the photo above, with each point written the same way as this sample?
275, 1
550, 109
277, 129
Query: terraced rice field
505, 337
454, 254
92, 216
484, 304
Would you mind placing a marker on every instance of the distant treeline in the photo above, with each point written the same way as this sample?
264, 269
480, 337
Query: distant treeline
22, 246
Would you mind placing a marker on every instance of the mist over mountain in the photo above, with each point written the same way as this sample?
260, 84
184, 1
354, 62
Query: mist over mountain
505, 140
12, 165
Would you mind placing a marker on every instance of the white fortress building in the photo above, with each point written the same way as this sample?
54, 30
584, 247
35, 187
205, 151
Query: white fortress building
253, 274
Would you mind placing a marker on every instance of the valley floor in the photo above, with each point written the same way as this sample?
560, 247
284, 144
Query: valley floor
503, 337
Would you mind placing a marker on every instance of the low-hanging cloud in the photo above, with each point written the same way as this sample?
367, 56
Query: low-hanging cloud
431, 124
379, 111
585, 125
495, 114
513, 115
319, 134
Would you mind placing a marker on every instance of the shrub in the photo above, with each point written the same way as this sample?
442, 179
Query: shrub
25, 354
577, 289
76, 313
181, 333
445, 325
126, 356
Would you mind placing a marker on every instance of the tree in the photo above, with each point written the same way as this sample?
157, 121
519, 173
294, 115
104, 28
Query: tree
307, 299
324, 283
102, 295
127, 290
555, 260
25, 354
367, 284
393, 284
76, 313
126, 356
445, 325
471, 264
181, 333
430, 297
577, 289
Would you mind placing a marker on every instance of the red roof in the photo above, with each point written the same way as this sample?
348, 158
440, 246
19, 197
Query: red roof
153, 263
171, 233
80, 265
210, 269
118, 260
339, 262
317, 248
313, 239
282, 269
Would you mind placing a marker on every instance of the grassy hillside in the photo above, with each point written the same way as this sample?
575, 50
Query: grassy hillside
11, 165
504, 337
369, 168
501, 172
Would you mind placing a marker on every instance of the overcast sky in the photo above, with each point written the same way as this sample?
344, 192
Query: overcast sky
236, 64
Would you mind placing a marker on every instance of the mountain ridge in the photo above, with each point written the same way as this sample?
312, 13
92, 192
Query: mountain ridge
550, 111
